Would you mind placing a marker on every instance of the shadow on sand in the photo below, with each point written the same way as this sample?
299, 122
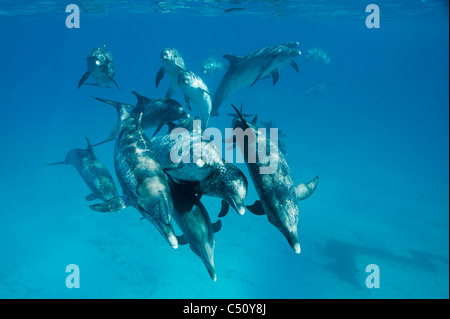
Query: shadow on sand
344, 265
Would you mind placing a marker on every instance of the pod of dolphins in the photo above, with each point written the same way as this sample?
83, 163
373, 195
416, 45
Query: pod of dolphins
160, 187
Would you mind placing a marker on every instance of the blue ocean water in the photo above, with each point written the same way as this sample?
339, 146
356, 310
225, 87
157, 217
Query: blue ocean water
377, 135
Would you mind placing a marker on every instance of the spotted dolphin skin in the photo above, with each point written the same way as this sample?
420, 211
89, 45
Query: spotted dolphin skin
139, 172
277, 193
195, 90
157, 113
246, 71
96, 176
172, 64
193, 219
186, 156
100, 67
229, 183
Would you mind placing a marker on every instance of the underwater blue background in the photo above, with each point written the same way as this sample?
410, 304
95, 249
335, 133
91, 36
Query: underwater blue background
377, 136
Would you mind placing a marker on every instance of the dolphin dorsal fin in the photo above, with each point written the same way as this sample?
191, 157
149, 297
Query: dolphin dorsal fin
240, 115
232, 59
255, 119
89, 146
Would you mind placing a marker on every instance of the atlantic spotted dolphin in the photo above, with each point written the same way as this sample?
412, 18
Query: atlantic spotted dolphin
139, 172
193, 219
277, 193
195, 90
244, 71
319, 55
172, 64
215, 177
96, 176
186, 156
227, 182
100, 67
157, 113
211, 66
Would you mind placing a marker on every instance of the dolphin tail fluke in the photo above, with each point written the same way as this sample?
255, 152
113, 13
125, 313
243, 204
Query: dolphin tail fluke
303, 191
83, 79
112, 205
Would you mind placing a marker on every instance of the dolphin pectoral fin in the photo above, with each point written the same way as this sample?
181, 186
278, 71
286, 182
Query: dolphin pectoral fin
171, 167
171, 126
159, 76
204, 91
217, 226
186, 99
111, 137
224, 209
112, 205
115, 83
303, 191
91, 197
256, 208
158, 128
294, 65
83, 79
56, 163
171, 91
257, 79
182, 240
275, 76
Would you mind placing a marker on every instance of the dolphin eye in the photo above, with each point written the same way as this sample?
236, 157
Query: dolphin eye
97, 62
